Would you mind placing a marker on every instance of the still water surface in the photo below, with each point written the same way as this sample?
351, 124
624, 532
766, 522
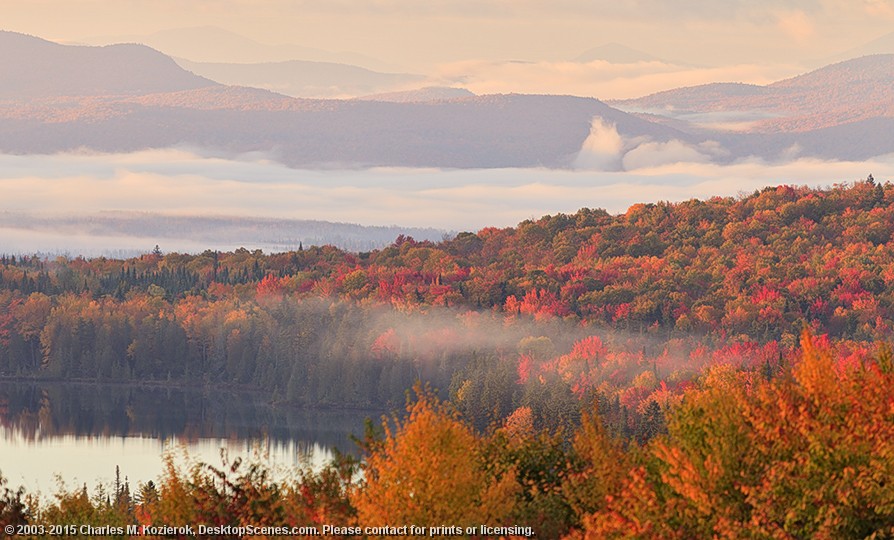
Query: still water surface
81, 432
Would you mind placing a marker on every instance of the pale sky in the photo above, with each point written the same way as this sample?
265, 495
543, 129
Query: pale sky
419, 34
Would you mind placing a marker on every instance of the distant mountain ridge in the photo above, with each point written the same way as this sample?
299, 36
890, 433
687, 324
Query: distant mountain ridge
213, 44
135, 231
496, 131
880, 45
615, 53
421, 95
31, 67
849, 91
300, 78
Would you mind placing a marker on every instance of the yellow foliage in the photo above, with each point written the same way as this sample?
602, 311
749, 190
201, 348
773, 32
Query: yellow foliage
428, 472
174, 506
603, 466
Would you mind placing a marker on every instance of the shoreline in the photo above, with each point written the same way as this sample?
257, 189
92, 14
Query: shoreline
205, 388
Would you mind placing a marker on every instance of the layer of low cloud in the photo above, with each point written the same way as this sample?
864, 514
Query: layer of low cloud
184, 183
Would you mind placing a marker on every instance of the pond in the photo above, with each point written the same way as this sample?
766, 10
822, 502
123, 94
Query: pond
82, 432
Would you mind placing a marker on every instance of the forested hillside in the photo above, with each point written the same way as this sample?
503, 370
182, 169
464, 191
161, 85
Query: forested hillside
647, 298
683, 370
753, 268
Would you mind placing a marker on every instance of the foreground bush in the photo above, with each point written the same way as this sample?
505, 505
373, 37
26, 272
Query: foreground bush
808, 454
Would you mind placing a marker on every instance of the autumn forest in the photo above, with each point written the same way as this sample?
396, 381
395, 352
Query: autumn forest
705, 369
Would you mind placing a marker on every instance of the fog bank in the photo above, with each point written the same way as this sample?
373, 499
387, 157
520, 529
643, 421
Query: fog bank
185, 183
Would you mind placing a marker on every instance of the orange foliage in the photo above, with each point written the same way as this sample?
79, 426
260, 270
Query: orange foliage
428, 471
806, 456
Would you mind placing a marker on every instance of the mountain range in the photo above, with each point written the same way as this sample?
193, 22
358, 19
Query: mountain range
841, 93
121, 98
33, 68
217, 45
302, 78
129, 233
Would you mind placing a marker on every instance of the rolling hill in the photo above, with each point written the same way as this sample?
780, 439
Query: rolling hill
300, 78
850, 91
31, 68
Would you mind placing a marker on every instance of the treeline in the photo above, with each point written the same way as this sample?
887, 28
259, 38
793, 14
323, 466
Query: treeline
305, 352
808, 453
316, 352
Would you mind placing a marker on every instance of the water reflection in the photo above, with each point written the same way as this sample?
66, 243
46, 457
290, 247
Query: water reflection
82, 431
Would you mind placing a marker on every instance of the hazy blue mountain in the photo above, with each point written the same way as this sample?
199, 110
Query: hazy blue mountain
163, 105
214, 44
301, 78
476, 132
851, 91
31, 67
881, 45
117, 233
